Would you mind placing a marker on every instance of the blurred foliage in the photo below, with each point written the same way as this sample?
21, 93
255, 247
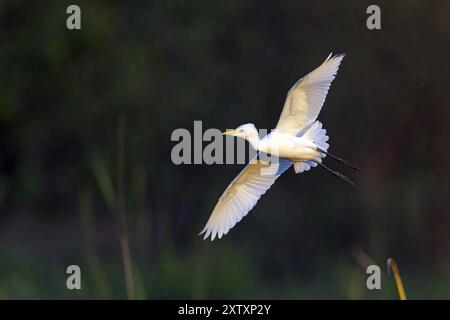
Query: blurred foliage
163, 64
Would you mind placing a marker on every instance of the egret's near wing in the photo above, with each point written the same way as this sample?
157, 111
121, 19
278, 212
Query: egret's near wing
242, 194
306, 97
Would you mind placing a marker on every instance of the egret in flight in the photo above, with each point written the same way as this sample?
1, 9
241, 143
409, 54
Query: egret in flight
298, 139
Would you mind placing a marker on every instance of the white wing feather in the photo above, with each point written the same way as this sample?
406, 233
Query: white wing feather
242, 195
306, 97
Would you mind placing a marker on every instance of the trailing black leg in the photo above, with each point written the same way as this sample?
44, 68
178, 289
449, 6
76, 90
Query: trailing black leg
338, 159
337, 174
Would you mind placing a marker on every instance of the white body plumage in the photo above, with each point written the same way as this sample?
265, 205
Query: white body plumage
298, 140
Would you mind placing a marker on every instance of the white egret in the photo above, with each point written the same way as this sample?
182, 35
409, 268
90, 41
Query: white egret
297, 139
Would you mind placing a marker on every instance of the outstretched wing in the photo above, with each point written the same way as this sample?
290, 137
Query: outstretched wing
242, 194
306, 97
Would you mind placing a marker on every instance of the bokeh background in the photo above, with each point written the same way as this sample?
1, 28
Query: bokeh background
86, 175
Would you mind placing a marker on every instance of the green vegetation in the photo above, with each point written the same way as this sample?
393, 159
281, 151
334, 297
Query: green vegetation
77, 188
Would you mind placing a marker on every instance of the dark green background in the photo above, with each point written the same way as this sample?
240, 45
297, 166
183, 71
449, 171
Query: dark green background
160, 65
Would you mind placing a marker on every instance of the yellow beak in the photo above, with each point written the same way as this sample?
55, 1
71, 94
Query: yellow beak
230, 133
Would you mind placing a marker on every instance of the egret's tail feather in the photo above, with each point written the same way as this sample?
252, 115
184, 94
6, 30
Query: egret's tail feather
318, 135
301, 166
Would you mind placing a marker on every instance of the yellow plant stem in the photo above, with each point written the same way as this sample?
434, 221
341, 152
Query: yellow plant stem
398, 280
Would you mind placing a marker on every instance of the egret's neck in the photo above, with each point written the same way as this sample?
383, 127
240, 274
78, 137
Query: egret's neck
254, 140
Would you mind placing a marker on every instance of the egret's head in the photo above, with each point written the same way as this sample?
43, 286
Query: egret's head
246, 131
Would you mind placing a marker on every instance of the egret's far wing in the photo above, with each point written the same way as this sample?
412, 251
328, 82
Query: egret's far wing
242, 194
306, 97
